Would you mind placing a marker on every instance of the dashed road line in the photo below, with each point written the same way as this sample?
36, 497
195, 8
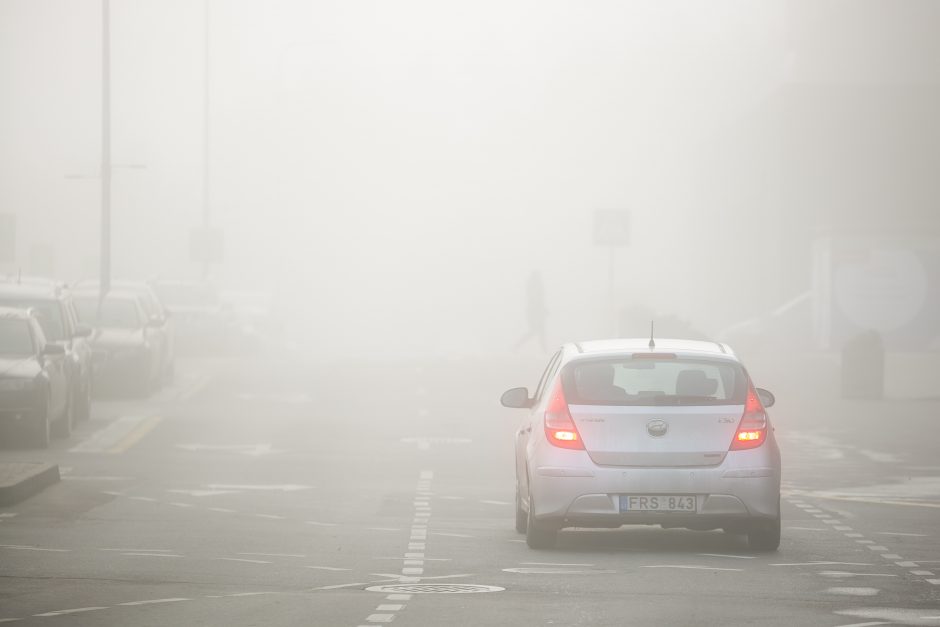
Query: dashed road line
72, 611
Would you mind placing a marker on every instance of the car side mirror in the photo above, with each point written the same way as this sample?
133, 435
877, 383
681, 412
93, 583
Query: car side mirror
517, 398
767, 399
82, 330
53, 349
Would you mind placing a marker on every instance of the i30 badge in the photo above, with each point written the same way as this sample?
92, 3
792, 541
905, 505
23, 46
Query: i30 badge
657, 428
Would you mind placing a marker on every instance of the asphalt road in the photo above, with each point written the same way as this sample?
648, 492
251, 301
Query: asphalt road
269, 492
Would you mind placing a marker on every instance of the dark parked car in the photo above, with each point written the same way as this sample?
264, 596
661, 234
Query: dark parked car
34, 387
157, 313
126, 342
52, 305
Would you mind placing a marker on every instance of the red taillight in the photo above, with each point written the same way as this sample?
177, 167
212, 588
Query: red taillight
559, 426
752, 430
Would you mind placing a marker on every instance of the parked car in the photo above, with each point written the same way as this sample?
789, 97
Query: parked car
671, 432
34, 386
203, 323
160, 318
125, 341
52, 305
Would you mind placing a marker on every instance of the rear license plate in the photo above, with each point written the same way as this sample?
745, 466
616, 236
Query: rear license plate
657, 503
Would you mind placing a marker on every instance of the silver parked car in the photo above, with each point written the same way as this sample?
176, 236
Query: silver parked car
623, 432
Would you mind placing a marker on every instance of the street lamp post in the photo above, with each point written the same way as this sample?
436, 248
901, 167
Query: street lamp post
105, 261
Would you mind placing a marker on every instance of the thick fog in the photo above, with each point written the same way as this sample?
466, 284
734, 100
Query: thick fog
394, 172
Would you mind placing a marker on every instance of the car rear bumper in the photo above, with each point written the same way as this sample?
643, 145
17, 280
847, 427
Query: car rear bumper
746, 485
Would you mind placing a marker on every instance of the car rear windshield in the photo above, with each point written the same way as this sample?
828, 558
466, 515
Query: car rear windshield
645, 381
15, 338
48, 312
113, 314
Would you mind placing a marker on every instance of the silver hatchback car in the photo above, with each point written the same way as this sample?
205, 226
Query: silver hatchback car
671, 432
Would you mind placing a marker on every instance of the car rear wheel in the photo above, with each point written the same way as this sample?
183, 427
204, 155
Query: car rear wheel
522, 520
83, 407
764, 535
38, 432
62, 428
539, 534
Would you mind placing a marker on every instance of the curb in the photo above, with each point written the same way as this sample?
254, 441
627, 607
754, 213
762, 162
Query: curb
29, 478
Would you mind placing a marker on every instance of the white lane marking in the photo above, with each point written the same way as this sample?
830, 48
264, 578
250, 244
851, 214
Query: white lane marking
327, 568
95, 478
389, 607
907, 564
320, 524
155, 601
138, 550
922, 573
286, 487
741, 557
224, 510
452, 535
877, 547
854, 592
271, 516
72, 611
496, 502
252, 450
201, 493
412, 571
865, 624
398, 597
20, 547
891, 556
9, 620
898, 533
350, 585
380, 618
556, 571
842, 528
808, 528
382, 529
178, 504
241, 559
145, 499
935, 582
865, 541
687, 567
244, 594
152, 554
853, 535
842, 573
274, 554
824, 564
7, 515
553, 564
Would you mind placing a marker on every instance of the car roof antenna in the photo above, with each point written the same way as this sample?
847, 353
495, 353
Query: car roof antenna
652, 341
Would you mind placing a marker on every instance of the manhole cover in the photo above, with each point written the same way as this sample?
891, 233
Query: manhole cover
435, 588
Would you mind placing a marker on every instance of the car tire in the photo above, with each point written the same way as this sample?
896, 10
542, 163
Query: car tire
538, 534
764, 535
38, 431
83, 408
522, 517
62, 428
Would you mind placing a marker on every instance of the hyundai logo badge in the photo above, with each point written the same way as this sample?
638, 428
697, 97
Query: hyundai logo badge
657, 428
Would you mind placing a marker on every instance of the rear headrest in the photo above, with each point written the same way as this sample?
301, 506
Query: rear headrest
695, 383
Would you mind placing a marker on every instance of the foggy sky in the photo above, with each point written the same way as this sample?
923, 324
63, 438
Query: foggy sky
394, 170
